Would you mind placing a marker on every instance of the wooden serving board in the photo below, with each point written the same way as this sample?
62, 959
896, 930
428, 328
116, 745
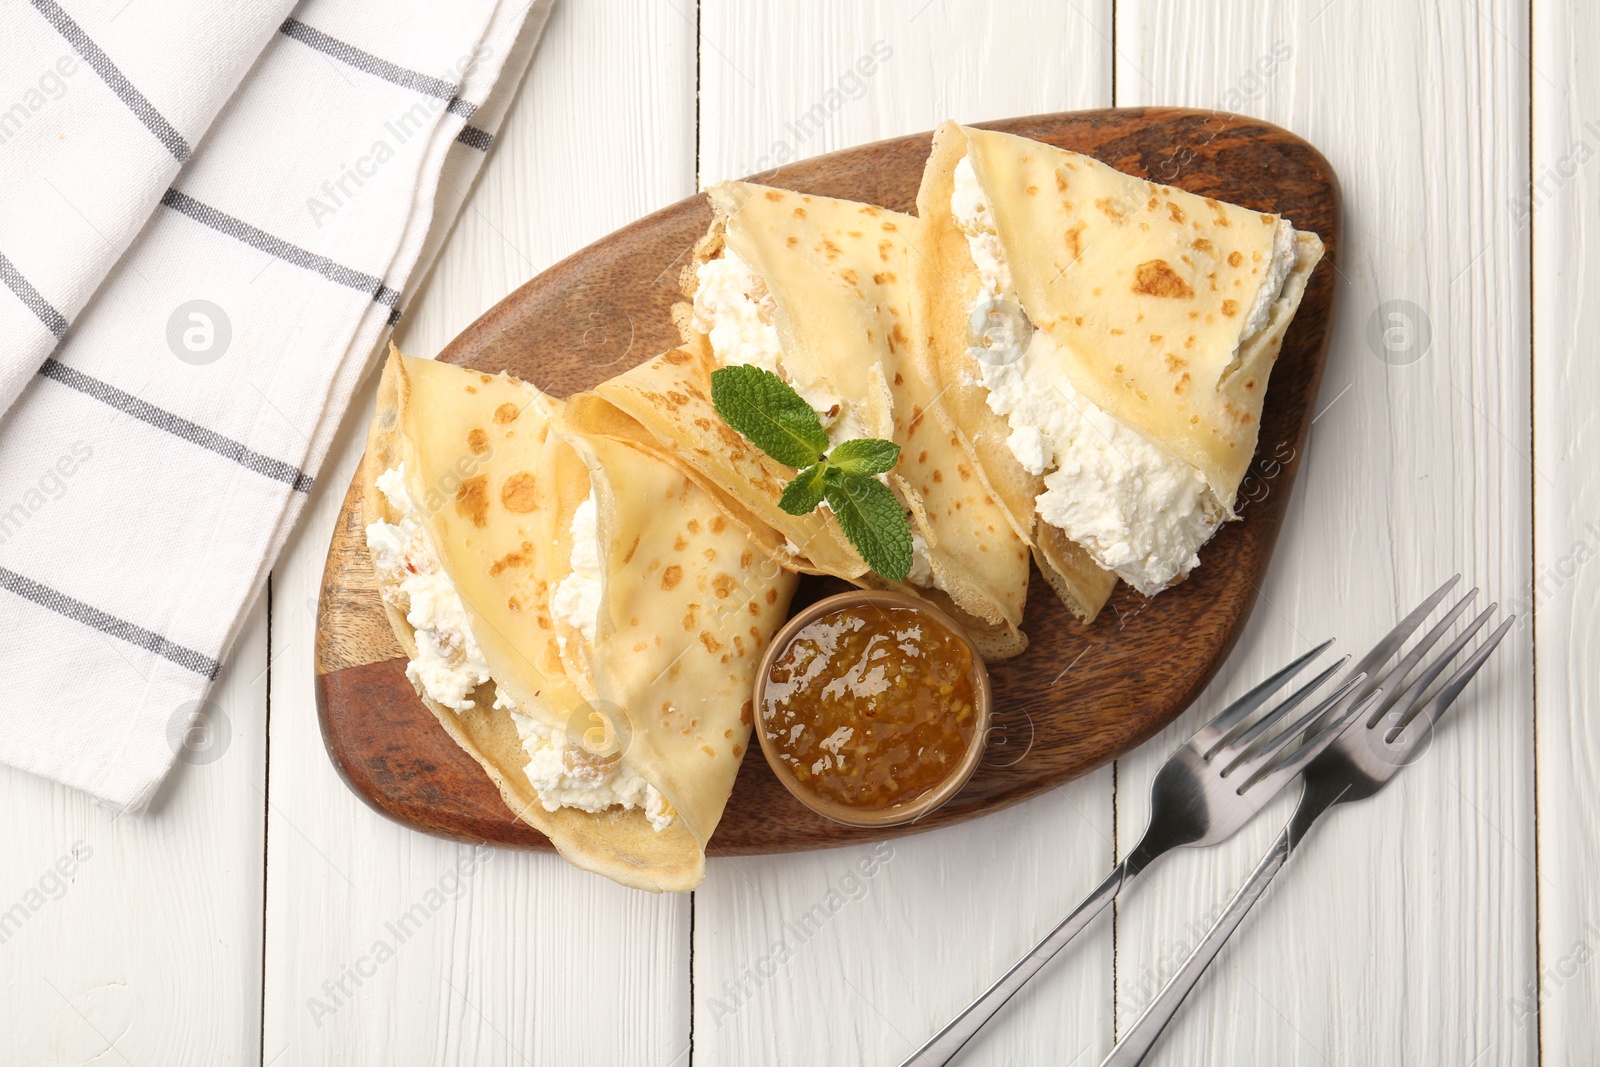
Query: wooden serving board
1079, 696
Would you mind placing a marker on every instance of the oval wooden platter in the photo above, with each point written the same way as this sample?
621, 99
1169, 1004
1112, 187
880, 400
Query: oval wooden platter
1079, 696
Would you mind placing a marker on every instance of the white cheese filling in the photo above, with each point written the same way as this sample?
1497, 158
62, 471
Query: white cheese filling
568, 775
735, 310
1285, 252
576, 600
449, 665
1138, 508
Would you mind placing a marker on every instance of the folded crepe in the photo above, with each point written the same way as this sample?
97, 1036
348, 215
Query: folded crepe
580, 617
1129, 330
820, 292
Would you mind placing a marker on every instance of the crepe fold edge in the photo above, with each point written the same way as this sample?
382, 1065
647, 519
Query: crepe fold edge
1197, 260
948, 284
846, 311
688, 608
663, 407
617, 844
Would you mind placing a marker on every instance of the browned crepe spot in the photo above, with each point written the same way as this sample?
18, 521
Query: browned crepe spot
520, 493
472, 500
1155, 277
520, 558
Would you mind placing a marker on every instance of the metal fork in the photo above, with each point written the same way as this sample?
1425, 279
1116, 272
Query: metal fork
1209, 788
1360, 763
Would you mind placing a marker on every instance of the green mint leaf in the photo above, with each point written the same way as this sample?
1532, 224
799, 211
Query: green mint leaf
770, 414
865, 455
873, 521
804, 493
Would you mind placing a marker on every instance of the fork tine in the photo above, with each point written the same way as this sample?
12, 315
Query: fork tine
1336, 728
1458, 681
1409, 701
1333, 706
1384, 649
1231, 716
1236, 743
1394, 680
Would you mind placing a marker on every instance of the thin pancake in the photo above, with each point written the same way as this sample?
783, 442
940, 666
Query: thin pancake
496, 486
664, 406
1147, 291
948, 281
846, 314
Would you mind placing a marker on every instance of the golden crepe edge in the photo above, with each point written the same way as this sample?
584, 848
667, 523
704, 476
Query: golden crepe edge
948, 283
836, 277
1199, 266
619, 844
846, 309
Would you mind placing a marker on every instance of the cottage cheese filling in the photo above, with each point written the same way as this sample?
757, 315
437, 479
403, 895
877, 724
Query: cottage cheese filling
736, 312
1284, 254
449, 665
568, 775
576, 600
1139, 509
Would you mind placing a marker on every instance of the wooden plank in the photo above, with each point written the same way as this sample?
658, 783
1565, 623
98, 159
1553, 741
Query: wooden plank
1562, 213
917, 927
137, 939
1405, 929
505, 957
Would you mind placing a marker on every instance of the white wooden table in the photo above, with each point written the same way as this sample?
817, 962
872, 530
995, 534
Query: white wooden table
1454, 920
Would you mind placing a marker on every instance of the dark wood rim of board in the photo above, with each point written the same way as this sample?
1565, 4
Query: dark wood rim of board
1080, 697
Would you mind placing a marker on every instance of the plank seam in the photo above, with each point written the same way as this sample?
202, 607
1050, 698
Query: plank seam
1115, 852
266, 792
1116, 915
699, 48
1533, 556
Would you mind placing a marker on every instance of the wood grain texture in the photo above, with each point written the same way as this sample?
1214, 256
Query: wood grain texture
1138, 665
1402, 930
517, 958
141, 936
1563, 214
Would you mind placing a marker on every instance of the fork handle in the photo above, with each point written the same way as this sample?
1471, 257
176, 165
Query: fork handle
1136, 1044
943, 1046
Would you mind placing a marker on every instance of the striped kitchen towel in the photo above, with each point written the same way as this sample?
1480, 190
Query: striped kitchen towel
215, 212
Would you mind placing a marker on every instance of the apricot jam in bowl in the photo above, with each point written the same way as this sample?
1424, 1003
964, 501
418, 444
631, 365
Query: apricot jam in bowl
872, 707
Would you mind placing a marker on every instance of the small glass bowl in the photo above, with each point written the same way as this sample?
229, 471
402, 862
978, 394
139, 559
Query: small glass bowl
904, 811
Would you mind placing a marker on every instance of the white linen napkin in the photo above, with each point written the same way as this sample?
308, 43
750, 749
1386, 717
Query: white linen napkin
181, 335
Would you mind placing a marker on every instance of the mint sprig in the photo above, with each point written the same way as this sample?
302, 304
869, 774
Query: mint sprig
802, 495
872, 519
768, 411
865, 455
776, 419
